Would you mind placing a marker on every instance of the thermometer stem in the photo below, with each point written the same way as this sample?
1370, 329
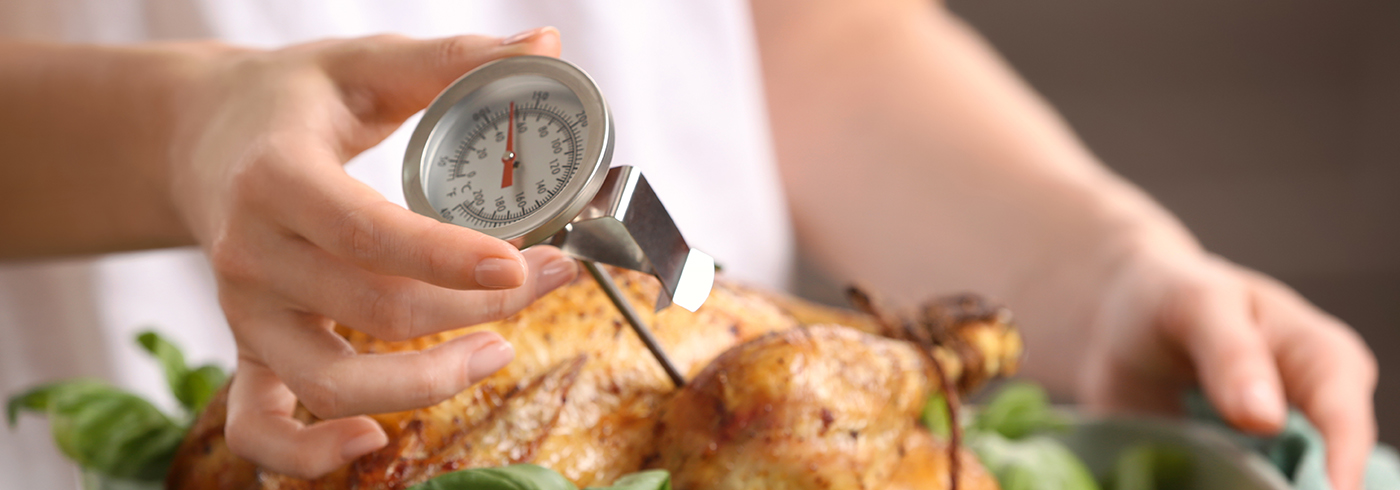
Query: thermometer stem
605, 280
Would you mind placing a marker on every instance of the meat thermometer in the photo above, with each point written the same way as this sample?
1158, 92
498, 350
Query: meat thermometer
519, 149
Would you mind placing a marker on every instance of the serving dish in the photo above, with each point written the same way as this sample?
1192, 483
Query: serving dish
1215, 462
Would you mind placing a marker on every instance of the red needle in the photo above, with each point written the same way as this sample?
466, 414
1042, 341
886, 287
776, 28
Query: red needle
508, 161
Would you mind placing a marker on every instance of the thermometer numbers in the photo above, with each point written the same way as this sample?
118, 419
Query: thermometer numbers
508, 149
547, 150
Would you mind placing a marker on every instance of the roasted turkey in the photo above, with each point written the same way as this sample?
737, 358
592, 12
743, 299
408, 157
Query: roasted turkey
782, 394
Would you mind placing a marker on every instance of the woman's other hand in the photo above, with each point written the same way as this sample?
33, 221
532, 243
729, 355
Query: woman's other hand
1177, 319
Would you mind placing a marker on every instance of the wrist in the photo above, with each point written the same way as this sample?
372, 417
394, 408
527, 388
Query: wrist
191, 82
181, 75
1146, 269
1090, 280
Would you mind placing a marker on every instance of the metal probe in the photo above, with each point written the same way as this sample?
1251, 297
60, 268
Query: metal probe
610, 288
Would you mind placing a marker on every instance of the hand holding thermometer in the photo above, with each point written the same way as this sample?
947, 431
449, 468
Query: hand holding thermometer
519, 149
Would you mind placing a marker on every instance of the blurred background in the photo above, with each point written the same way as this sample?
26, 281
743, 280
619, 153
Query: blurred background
1271, 128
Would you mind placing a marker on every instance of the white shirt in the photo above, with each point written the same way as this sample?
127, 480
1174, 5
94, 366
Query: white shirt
682, 79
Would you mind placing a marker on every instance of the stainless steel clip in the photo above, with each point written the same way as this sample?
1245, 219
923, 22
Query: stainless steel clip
625, 225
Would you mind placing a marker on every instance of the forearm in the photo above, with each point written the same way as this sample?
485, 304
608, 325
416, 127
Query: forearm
84, 138
916, 161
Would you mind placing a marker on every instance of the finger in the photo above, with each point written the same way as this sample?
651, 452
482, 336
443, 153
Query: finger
1330, 375
315, 199
331, 380
396, 76
1214, 321
398, 308
261, 429
1330, 382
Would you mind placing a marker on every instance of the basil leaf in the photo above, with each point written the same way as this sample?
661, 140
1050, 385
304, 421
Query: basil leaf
1151, 467
1016, 478
93, 480
641, 480
38, 399
34, 400
1133, 469
105, 429
935, 416
1032, 463
114, 432
513, 477
201, 385
1018, 410
172, 362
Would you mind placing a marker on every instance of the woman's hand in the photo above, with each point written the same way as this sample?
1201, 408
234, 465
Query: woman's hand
295, 242
1175, 319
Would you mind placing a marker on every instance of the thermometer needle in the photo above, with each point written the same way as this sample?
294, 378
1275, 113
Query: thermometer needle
508, 161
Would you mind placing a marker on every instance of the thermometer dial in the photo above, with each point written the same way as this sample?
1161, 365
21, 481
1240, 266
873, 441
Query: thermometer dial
519, 149
514, 149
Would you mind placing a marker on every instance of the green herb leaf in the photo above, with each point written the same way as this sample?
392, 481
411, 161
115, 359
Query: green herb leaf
201, 385
42, 399
513, 477
1031, 463
641, 480
1133, 469
1151, 467
93, 480
193, 388
1018, 410
105, 429
116, 434
172, 362
37, 399
935, 416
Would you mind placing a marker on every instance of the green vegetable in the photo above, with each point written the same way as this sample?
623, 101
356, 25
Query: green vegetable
532, 477
513, 477
114, 435
193, 388
935, 416
1031, 463
642, 480
105, 429
1004, 434
1151, 467
1018, 410
92, 480
201, 385
172, 362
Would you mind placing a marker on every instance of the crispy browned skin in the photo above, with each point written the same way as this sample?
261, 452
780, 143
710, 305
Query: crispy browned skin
582, 396
203, 461
820, 407
923, 465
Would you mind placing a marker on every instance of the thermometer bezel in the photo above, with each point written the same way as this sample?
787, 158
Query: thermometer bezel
566, 205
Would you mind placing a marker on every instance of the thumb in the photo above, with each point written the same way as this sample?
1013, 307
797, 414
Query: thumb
388, 78
1215, 324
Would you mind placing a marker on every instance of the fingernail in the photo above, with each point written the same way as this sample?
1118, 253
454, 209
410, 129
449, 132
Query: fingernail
557, 272
1264, 402
499, 273
489, 359
362, 444
523, 36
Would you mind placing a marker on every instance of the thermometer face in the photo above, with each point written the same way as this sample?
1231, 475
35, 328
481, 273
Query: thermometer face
513, 149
